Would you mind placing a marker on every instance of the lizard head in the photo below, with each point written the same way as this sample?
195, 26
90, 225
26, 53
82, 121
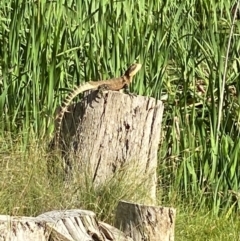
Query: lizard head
132, 70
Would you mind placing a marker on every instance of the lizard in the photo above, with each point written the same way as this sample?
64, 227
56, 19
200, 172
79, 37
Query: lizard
114, 84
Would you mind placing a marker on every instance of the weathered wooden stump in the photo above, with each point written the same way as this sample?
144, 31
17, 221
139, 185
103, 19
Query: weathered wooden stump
22, 229
106, 133
142, 222
68, 225
137, 222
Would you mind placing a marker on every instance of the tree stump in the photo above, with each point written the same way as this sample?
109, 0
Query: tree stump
68, 225
142, 222
22, 229
106, 133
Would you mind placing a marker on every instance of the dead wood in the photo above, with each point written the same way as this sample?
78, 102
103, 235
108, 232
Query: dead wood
142, 222
68, 225
104, 134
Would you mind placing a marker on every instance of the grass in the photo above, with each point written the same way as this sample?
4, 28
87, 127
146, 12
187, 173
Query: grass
26, 188
189, 50
202, 226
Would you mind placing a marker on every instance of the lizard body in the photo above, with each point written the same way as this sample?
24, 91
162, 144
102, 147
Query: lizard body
115, 84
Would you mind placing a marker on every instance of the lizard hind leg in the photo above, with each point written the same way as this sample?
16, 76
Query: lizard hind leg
102, 88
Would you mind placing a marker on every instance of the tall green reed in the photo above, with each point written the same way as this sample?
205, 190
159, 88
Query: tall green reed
48, 47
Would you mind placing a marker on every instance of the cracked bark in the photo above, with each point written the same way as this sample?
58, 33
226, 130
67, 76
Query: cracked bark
65, 225
142, 222
104, 134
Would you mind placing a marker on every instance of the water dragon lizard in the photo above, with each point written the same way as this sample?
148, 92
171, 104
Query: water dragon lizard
115, 84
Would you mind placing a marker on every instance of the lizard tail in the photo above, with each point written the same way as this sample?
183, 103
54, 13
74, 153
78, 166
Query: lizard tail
76, 91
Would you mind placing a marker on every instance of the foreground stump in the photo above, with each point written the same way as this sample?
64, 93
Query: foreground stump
142, 222
105, 134
137, 222
68, 225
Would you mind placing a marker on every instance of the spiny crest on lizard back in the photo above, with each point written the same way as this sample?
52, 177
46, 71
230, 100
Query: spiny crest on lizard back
110, 84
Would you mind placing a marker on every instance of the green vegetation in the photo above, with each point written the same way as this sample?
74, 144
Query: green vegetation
47, 47
25, 189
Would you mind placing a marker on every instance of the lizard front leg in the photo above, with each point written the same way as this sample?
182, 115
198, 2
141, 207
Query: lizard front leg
127, 91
